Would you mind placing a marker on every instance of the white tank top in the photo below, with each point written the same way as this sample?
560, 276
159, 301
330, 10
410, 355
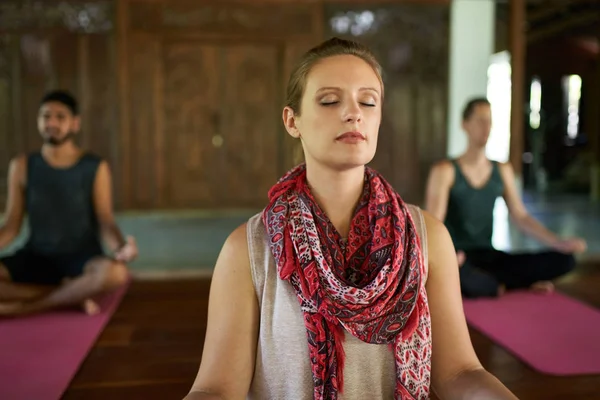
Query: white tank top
282, 370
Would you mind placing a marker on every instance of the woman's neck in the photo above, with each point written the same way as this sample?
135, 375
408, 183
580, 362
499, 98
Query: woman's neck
474, 156
337, 193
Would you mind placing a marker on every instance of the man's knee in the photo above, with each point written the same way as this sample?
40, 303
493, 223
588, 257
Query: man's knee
111, 274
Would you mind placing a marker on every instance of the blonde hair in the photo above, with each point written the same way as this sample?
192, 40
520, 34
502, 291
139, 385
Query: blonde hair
329, 48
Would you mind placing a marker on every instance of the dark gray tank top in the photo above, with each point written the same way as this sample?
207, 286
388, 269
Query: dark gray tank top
60, 207
470, 215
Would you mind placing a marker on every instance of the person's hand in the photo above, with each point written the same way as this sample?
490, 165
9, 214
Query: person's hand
128, 252
461, 257
570, 245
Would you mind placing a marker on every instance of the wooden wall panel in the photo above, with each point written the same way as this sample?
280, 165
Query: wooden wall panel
251, 107
101, 104
37, 73
12, 50
67, 64
192, 119
221, 70
221, 126
398, 120
6, 128
239, 19
144, 56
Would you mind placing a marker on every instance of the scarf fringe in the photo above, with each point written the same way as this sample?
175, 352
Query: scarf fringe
340, 354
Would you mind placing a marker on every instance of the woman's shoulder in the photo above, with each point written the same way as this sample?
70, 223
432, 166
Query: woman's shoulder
243, 234
435, 229
440, 248
235, 247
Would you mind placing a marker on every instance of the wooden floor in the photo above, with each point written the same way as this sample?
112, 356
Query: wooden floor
152, 347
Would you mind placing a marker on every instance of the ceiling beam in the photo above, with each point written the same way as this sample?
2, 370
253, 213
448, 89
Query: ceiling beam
573, 21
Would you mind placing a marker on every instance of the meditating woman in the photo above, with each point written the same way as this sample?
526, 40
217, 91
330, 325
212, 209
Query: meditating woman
338, 289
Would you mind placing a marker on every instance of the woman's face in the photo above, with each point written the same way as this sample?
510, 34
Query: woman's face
340, 113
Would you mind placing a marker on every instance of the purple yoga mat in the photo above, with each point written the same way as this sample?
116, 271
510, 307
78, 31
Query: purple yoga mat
552, 333
41, 354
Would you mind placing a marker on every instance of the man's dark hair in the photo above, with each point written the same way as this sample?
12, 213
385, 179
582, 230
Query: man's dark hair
470, 106
63, 97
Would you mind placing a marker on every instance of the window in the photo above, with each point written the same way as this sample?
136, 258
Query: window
535, 103
572, 88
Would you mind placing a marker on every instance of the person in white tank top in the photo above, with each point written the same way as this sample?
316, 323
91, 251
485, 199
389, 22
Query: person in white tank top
338, 289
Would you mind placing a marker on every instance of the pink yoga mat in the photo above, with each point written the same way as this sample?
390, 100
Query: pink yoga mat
552, 333
40, 355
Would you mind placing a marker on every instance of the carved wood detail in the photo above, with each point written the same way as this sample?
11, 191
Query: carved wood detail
274, 20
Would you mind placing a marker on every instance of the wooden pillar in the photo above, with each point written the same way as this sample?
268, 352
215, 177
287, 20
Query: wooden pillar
517, 46
594, 129
123, 180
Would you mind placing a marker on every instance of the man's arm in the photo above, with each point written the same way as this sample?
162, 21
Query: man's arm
103, 204
439, 182
526, 222
15, 201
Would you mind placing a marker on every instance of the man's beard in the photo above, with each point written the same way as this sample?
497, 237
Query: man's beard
54, 141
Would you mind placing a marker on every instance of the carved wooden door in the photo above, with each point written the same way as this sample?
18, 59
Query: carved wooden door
221, 109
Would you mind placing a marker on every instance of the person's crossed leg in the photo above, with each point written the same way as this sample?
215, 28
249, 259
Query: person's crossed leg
31, 283
489, 273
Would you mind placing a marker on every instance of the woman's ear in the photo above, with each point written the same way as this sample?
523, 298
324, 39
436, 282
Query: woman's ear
290, 122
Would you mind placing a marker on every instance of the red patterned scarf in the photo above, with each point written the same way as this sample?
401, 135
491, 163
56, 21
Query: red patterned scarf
371, 286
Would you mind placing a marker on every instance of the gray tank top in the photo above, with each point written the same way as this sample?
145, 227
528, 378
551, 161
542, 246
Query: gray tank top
282, 370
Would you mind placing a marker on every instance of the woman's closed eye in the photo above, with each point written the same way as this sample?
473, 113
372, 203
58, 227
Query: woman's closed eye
331, 103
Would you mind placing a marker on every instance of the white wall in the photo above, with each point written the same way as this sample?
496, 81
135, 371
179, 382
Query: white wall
472, 28
499, 94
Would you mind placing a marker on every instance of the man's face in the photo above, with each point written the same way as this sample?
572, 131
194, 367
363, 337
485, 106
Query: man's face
56, 123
